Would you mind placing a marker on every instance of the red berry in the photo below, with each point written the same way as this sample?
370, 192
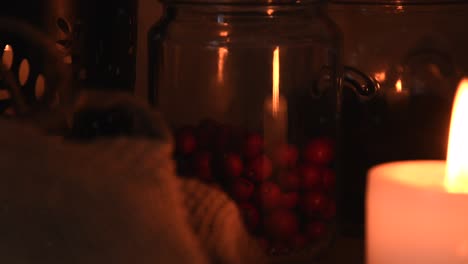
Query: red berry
328, 179
316, 230
289, 200
233, 165
185, 141
253, 146
260, 169
268, 195
310, 177
319, 151
251, 215
289, 180
282, 224
299, 241
330, 211
242, 189
202, 166
286, 156
313, 203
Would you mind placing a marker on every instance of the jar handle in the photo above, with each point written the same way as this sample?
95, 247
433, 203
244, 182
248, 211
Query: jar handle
360, 82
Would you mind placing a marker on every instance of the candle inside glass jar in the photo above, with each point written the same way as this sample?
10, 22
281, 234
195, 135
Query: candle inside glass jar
275, 117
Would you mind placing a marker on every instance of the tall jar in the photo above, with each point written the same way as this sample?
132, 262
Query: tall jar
251, 89
414, 52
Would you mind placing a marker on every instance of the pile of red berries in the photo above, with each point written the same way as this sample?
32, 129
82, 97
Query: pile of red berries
286, 197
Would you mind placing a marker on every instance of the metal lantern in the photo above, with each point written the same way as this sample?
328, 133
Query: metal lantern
95, 38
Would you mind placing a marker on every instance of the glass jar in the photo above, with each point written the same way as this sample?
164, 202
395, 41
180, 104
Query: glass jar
414, 53
251, 88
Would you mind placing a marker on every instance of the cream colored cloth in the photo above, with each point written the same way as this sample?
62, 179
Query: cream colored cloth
109, 201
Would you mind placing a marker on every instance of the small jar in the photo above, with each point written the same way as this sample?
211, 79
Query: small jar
251, 88
414, 53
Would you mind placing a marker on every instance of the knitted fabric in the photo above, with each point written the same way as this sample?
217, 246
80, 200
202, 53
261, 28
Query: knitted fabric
109, 201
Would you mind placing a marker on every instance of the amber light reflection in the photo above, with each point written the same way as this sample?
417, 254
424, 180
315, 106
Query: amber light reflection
222, 54
276, 80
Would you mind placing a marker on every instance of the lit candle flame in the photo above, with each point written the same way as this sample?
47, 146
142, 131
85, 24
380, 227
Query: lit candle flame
224, 33
276, 80
380, 76
7, 48
222, 53
398, 86
456, 177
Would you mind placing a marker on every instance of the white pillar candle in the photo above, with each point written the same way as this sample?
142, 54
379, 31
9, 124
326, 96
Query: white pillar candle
411, 218
417, 211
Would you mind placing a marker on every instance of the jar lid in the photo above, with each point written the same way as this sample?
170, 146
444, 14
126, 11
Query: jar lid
243, 2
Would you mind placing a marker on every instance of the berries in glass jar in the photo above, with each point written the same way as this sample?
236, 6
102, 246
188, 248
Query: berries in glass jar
289, 200
281, 224
299, 241
328, 179
186, 142
260, 169
289, 180
319, 151
310, 177
313, 203
315, 230
285, 156
233, 165
251, 215
253, 146
268, 195
242, 189
330, 211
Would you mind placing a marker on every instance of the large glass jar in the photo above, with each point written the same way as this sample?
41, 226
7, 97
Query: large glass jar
251, 89
414, 53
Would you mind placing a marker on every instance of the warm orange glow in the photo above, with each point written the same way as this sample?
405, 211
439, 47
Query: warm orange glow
456, 177
222, 53
276, 80
399, 7
7, 57
399, 86
380, 76
270, 11
223, 34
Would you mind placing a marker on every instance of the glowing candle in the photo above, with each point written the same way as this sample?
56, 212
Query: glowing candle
398, 97
417, 211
